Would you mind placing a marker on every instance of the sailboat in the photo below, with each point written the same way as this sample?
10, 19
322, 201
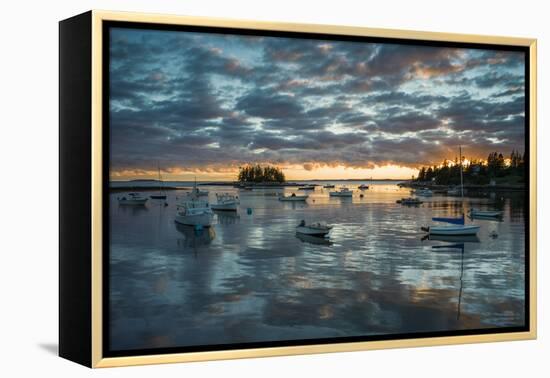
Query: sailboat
457, 227
161, 194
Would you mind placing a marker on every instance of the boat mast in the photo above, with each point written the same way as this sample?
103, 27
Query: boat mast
160, 182
461, 179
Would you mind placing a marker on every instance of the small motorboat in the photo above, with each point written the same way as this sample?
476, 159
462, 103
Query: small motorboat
343, 192
363, 187
225, 202
409, 201
476, 213
294, 197
319, 229
307, 187
329, 186
132, 199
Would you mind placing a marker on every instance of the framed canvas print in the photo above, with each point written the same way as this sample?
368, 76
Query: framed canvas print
235, 189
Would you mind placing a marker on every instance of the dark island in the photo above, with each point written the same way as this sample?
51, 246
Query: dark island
495, 173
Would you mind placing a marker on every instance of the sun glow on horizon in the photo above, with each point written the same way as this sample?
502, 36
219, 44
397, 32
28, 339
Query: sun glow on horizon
292, 173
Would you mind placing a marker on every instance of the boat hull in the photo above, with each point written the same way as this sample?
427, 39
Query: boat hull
158, 196
203, 220
338, 194
313, 239
224, 206
304, 230
453, 230
293, 199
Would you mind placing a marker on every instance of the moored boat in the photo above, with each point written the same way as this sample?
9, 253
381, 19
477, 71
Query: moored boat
194, 212
161, 194
454, 192
307, 187
363, 187
343, 192
424, 192
453, 230
409, 201
225, 202
329, 186
132, 199
319, 229
294, 197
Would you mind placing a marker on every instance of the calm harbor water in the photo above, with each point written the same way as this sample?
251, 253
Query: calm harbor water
249, 277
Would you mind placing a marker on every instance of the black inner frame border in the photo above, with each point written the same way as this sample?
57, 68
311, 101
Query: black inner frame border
106, 27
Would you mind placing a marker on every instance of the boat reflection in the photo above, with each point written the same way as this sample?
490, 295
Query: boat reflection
459, 246
314, 239
133, 210
487, 218
227, 217
294, 205
195, 237
453, 238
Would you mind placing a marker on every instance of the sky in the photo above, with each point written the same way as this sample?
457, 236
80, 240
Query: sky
203, 104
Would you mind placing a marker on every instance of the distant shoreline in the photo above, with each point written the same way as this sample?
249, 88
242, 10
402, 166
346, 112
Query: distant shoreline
473, 187
138, 185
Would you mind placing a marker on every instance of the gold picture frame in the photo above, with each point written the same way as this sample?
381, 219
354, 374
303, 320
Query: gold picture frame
96, 359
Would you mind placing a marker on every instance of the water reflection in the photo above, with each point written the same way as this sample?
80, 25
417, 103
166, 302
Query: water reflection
194, 237
250, 278
314, 239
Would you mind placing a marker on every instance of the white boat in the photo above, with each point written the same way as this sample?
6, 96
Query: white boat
454, 230
132, 199
485, 213
454, 192
363, 187
194, 212
294, 197
196, 192
200, 193
425, 192
318, 229
343, 192
225, 202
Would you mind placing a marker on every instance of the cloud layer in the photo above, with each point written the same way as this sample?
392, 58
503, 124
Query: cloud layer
211, 102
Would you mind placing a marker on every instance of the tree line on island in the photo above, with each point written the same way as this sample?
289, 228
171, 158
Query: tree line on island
497, 168
260, 174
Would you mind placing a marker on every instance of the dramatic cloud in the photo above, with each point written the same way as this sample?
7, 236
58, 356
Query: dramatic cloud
211, 102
